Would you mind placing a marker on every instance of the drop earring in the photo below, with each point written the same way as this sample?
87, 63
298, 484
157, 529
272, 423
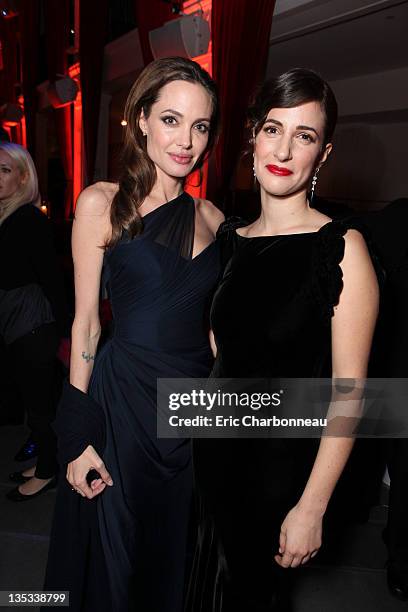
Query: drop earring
255, 184
314, 181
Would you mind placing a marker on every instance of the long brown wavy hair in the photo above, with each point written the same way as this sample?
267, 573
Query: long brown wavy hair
138, 174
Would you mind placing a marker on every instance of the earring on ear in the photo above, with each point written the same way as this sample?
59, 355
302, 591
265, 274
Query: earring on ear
253, 166
314, 181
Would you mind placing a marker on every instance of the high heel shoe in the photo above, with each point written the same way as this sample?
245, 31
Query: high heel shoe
15, 495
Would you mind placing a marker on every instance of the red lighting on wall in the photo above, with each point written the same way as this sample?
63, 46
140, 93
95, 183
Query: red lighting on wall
194, 186
8, 130
23, 130
74, 72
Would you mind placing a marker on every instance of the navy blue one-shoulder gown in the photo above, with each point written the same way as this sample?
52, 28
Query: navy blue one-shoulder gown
126, 549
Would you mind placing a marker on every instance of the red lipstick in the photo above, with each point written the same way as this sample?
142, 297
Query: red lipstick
278, 170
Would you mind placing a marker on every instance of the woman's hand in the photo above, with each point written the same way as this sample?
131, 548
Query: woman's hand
78, 469
300, 537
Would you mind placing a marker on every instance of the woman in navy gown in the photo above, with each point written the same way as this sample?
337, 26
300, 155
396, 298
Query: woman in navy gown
120, 544
298, 298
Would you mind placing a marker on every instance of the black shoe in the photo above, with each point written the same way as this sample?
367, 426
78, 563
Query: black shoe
16, 496
29, 450
18, 477
397, 578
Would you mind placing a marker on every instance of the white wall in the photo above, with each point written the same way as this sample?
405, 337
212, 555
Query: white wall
368, 166
373, 93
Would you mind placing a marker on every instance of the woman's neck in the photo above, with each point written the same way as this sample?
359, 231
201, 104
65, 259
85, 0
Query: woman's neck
8, 207
280, 214
166, 188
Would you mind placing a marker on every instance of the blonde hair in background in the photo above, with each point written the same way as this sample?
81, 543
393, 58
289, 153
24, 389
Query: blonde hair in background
28, 191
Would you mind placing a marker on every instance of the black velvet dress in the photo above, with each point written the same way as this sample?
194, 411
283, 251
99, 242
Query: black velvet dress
271, 318
125, 550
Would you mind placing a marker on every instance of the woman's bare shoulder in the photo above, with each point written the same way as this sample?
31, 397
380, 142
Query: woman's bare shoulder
96, 199
210, 213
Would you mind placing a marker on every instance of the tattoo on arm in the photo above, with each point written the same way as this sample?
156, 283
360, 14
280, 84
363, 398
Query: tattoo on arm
88, 357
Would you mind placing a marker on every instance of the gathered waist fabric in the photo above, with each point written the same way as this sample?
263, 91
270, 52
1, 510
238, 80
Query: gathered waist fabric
167, 335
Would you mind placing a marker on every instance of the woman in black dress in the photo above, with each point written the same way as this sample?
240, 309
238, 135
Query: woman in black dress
120, 544
33, 313
298, 298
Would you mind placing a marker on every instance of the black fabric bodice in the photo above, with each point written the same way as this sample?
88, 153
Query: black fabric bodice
271, 313
158, 292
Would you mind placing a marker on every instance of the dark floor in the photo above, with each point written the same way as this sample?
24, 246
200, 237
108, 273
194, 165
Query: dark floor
353, 581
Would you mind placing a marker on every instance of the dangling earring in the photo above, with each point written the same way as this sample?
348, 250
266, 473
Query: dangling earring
314, 181
254, 173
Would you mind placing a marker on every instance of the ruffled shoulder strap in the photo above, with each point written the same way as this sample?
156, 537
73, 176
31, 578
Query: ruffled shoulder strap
228, 238
329, 253
230, 225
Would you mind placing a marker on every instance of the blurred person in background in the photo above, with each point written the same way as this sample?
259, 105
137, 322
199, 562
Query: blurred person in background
32, 312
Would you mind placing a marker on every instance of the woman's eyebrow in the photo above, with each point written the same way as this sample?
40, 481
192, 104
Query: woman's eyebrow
298, 127
275, 121
171, 110
307, 127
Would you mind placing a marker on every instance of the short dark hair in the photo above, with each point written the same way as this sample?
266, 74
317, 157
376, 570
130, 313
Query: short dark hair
293, 88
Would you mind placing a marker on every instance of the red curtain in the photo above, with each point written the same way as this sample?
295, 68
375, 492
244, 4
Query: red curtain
150, 14
240, 39
57, 36
29, 27
93, 34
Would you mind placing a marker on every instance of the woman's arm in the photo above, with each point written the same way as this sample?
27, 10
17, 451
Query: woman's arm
353, 326
90, 230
